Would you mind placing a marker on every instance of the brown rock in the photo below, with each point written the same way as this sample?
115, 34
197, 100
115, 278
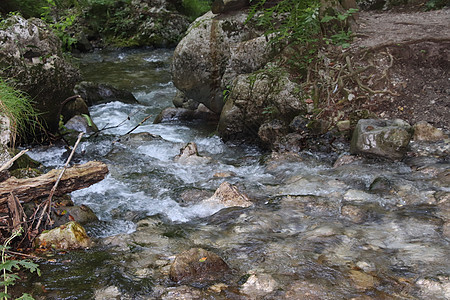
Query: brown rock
229, 196
198, 265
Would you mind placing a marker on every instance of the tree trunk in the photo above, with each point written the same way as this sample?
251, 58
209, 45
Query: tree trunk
75, 178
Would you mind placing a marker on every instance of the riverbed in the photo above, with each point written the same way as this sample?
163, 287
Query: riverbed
365, 230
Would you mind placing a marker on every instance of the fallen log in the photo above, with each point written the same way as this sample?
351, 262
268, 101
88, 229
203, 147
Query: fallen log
75, 178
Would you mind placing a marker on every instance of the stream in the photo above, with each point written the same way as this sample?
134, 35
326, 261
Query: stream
364, 230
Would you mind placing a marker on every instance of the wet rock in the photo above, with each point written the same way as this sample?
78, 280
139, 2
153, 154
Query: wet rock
97, 93
139, 138
345, 159
193, 196
358, 196
182, 293
181, 101
270, 132
255, 101
31, 54
224, 174
189, 155
424, 131
381, 138
81, 123
380, 185
436, 288
362, 281
81, 214
439, 149
354, 213
69, 236
213, 52
171, 114
107, 293
446, 230
74, 107
198, 265
223, 6
229, 196
259, 285
306, 290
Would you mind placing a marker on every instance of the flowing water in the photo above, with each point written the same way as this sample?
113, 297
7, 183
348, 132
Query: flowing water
366, 229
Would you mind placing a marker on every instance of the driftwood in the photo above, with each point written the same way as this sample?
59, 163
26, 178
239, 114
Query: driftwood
74, 178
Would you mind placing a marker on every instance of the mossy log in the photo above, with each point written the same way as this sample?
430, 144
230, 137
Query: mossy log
74, 178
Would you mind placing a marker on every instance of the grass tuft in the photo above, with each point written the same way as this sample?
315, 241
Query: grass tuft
18, 107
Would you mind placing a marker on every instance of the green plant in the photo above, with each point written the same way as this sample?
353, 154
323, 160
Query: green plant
8, 265
338, 31
436, 4
195, 8
18, 107
60, 24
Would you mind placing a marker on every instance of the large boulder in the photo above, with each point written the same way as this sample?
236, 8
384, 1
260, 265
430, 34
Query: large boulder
214, 51
381, 138
31, 54
198, 265
257, 99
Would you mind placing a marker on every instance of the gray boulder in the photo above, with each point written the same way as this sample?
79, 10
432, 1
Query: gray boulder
96, 93
257, 99
214, 51
381, 138
31, 54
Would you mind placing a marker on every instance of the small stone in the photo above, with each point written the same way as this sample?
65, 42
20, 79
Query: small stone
259, 285
224, 174
111, 292
353, 213
218, 288
424, 131
363, 281
343, 125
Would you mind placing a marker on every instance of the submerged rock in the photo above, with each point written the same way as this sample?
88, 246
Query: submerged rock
198, 265
229, 196
381, 138
68, 236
